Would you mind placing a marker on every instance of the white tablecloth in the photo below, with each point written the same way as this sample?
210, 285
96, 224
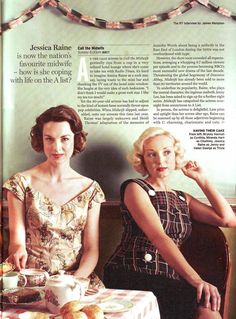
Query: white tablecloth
144, 305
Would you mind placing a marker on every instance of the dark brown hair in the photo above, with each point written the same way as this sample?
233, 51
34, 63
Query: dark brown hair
59, 113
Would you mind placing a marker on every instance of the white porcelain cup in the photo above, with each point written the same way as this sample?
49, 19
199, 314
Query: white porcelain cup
11, 280
84, 283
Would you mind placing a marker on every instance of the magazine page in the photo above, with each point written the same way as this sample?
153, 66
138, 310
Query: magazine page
124, 66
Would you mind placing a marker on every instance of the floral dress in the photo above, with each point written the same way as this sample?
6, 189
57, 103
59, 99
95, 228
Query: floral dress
54, 232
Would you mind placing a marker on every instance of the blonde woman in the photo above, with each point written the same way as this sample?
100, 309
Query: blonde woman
157, 219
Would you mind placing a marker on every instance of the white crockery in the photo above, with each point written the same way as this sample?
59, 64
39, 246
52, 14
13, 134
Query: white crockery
60, 289
10, 280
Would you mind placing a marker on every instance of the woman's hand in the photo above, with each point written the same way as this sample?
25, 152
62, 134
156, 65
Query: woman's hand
18, 256
192, 170
210, 294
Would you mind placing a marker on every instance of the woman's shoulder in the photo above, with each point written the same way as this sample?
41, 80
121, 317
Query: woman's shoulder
81, 181
136, 181
30, 173
82, 178
20, 180
134, 184
93, 190
16, 184
84, 182
16, 178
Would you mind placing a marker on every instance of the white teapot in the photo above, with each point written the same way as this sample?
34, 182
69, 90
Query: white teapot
60, 289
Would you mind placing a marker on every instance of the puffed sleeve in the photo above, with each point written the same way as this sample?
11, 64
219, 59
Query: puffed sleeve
15, 185
97, 195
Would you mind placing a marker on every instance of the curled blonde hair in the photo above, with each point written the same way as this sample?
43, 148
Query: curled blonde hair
135, 157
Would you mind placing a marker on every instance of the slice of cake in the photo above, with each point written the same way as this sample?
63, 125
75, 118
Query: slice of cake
6, 267
23, 295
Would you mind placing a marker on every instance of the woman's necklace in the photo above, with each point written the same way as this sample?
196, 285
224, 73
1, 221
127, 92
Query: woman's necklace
167, 200
164, 189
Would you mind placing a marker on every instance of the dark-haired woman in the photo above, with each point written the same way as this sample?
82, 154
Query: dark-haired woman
53, 210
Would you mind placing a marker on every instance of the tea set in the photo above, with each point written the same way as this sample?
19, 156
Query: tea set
58, 289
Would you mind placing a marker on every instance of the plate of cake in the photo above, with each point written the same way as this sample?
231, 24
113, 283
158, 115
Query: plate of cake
21, 296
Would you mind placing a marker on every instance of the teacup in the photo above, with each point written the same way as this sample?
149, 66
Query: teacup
84, 283
35, 277
12, 279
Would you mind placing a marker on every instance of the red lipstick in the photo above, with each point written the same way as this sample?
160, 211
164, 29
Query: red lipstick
57, 155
